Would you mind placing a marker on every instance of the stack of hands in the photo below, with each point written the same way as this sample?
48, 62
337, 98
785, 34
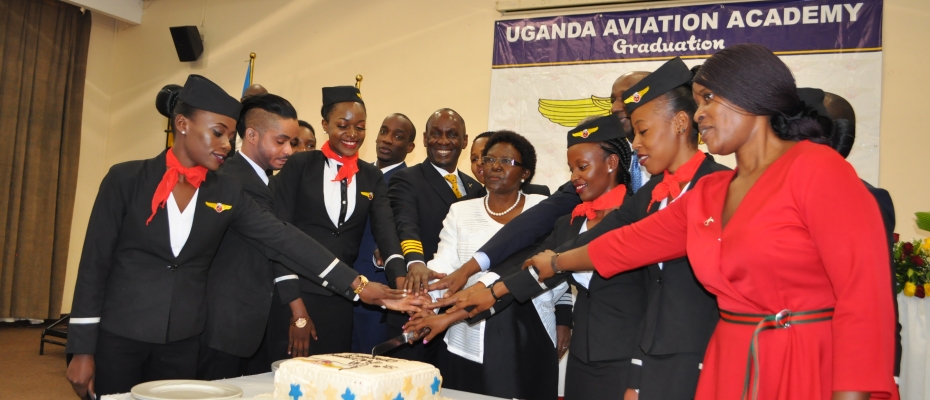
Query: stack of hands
463, 304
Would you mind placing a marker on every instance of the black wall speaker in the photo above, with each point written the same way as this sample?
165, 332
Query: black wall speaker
187, 42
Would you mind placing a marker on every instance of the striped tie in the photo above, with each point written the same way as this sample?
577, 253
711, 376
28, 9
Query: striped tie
455, 185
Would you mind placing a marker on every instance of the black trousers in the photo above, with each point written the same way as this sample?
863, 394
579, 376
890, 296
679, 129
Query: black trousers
672, 376
331, 315
596, 379
123, 362
213, 364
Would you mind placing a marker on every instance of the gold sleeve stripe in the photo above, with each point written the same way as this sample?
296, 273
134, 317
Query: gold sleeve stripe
413, 251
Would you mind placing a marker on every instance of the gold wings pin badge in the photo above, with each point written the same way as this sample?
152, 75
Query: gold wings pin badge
219, 207
569, 113
369, 195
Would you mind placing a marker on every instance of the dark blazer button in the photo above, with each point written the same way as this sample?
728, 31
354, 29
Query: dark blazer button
173, 267
659, 281
336, 234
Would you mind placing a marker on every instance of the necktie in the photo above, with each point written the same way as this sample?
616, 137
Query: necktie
195, 176
611, 199
455, 185
671, 183
343, 189
636, 175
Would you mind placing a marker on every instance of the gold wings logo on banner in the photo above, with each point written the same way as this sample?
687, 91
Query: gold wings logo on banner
569, 113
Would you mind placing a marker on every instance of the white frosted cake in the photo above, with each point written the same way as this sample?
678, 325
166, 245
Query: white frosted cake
353, 376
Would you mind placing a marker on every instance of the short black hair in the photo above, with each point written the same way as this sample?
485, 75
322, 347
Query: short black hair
413, 128
305, 124
482, 135
680, 99
328, 109
522, 145
267, 102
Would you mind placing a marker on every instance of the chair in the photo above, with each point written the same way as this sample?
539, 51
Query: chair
61, 332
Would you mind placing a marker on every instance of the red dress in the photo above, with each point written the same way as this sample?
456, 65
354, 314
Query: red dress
807, 236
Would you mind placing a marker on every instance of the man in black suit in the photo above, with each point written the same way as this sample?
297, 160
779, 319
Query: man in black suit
394, 141
420, 197
239, 296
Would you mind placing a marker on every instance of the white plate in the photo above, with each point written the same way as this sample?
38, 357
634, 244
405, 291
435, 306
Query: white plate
185, 390
277, 364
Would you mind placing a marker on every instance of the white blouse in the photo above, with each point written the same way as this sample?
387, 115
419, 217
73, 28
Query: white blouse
465, 229
180, 222
332, 192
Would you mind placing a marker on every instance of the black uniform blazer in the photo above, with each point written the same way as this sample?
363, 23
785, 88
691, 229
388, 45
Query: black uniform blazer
606, 315
131, 284
298, 191
531, 225
421, 198
680, 314
239, 295
887, 208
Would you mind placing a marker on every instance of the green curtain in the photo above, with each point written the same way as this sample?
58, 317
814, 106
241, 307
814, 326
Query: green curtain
43, 61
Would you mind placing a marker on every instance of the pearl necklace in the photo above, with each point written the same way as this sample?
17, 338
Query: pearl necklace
501, 214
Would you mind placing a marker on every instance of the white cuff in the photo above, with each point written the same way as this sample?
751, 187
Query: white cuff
414, 262
389, 260
637, 361
536, 277
285, 278
81, 321
483, 261
489, 279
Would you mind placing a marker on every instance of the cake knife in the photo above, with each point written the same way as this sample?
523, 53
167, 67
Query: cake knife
407, 337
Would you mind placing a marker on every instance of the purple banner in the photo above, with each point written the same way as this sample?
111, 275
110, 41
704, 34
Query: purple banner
786, 27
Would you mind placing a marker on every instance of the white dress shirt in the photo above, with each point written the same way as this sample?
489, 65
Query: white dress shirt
665, 204
180, 222
389, 167
332, 192
258, 170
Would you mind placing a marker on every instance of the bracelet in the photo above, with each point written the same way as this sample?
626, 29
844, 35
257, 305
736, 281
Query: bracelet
494, 295
363, 281
554, 264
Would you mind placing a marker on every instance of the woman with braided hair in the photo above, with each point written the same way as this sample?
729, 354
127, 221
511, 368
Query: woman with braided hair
804, 312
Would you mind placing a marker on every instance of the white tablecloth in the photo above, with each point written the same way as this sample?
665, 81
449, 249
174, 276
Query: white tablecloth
255, 385
914, 315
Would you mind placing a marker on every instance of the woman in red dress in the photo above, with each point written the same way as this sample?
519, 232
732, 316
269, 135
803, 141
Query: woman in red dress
789, 243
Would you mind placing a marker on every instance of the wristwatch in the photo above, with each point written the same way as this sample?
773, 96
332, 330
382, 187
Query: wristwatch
300, 322
363, 281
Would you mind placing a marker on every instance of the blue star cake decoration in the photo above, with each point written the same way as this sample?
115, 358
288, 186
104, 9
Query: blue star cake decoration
295, 392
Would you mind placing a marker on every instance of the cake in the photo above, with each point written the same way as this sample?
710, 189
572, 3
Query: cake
353, 376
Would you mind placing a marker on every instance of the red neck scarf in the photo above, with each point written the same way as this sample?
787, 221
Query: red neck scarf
194, 175
613, 198
671, 183
349, 164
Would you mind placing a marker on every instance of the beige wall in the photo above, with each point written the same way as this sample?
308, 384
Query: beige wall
416, 56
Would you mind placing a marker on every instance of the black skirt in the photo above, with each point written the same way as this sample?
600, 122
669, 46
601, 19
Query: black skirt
520, 360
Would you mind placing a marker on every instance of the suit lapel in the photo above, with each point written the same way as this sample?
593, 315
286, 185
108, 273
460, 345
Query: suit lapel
437, 182
157, 229
471, 185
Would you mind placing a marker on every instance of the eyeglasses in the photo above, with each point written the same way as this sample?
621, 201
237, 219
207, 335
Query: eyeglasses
503, 161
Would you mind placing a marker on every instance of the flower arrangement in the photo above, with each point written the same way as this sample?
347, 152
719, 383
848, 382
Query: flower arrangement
912, 266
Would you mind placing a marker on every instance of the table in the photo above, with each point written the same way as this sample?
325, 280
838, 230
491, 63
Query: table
914, 316
255, 385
